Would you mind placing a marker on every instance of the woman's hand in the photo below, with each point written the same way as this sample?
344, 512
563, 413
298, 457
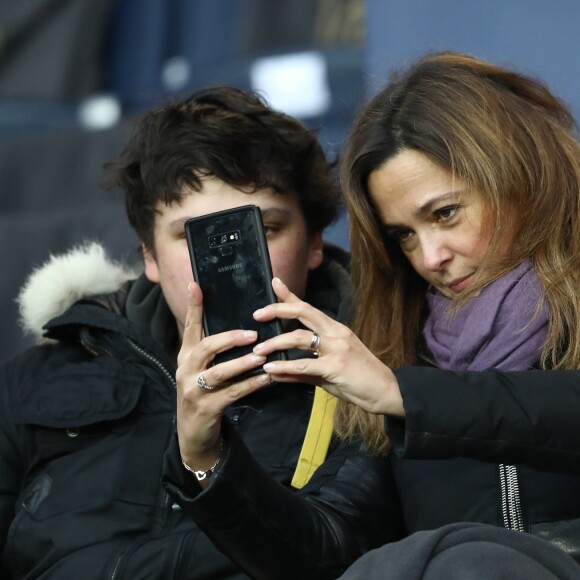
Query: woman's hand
345, 367
200, 407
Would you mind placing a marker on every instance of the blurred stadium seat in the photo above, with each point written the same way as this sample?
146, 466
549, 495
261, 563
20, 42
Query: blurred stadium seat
51, 199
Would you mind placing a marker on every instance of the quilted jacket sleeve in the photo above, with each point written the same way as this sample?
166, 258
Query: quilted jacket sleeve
349, 506
528, 417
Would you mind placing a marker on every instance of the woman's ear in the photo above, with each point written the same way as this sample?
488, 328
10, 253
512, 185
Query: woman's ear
151, 269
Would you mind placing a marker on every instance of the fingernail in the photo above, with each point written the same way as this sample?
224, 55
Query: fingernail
259, 312
190, 289
259, 347
250, 334
269, 367
279, 282
264, 378
259, 359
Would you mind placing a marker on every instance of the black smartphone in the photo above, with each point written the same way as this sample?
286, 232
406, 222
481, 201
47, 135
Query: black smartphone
230, 261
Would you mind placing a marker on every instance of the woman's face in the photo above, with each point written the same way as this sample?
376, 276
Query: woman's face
435, 220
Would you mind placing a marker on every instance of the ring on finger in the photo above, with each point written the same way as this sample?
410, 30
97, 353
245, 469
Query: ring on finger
315, 345
201, 383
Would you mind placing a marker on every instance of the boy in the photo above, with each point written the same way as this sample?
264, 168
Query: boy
86, 419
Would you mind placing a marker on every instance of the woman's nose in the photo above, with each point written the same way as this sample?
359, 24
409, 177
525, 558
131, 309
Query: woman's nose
435, 253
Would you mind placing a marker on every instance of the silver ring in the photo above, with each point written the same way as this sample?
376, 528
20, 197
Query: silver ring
202, 384
315, 344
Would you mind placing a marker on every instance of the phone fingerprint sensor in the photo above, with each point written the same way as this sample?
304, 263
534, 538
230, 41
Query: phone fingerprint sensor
226, 250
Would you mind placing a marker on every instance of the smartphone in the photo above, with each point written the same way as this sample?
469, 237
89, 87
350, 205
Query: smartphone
230, 261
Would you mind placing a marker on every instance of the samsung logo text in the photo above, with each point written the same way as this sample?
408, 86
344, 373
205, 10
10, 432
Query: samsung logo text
232, 267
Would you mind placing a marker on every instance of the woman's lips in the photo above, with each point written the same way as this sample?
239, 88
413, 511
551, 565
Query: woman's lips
460, 284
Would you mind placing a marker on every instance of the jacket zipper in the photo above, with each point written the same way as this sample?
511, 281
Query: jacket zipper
511, 504
118, 561
159, 365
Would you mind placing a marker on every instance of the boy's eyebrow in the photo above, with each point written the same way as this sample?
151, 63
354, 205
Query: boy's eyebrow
276, 213
179, 223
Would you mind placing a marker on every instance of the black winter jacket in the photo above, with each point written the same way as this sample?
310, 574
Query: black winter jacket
84, 424
458, 426
491, 447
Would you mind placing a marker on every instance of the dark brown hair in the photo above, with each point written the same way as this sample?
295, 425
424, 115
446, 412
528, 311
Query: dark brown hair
229, 134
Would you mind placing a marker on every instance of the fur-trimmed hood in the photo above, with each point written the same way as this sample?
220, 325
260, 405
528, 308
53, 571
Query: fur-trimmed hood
62, 280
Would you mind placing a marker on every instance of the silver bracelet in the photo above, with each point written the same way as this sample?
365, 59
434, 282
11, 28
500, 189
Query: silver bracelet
200, 475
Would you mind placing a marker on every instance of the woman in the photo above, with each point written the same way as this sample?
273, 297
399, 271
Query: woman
462, 182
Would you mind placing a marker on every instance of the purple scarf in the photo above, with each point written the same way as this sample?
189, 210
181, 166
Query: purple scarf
496, 329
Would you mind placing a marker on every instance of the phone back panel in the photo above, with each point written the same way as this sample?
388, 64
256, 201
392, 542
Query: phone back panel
231, 263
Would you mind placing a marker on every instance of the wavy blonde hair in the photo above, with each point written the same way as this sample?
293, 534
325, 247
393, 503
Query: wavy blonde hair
509, 140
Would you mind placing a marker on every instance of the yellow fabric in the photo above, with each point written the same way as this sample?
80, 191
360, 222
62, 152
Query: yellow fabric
317, 439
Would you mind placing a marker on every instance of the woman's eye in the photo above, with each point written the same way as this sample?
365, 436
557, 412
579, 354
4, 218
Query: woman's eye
403, 236
446, 213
